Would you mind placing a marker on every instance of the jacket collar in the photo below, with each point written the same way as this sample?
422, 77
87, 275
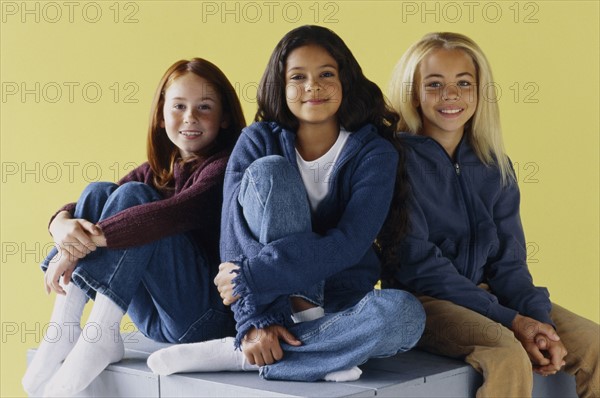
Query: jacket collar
356, 141
421, 143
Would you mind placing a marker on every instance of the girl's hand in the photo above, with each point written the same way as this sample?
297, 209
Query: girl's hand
261, 346
78, 237
555, 351
534, 337
61, 265
224, 283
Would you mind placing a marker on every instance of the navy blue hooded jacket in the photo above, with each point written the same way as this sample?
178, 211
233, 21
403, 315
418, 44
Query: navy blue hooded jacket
465, 230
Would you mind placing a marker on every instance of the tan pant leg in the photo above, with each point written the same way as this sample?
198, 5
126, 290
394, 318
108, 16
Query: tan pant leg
487, 346
581, 337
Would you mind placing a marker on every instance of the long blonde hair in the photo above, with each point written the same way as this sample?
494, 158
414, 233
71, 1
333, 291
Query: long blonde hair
483, 130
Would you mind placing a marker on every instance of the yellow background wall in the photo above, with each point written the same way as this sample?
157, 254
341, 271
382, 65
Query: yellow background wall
78, 77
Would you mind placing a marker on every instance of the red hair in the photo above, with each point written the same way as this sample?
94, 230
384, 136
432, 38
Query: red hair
162, 153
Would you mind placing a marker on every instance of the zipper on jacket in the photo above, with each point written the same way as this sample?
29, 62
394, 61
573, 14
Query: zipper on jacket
467, 201
473, 233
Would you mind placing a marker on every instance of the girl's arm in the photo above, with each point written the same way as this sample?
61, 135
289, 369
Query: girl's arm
197, 205
236, 239
75, 237
301, 260
510, 280
193, 207
508, 275
67, 210
424, 269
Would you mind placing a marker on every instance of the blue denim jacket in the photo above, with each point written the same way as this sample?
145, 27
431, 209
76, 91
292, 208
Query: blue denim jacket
466, 230
339, 250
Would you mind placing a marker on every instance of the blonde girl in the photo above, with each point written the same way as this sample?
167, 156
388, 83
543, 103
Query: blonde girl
465, 256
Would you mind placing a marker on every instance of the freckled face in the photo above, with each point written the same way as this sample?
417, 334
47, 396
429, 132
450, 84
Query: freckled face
447, 88
313, 87
193, 115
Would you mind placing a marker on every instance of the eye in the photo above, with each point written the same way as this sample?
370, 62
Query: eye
205, 107
179, 106
297, 77
464, 83
328, 74
433, 85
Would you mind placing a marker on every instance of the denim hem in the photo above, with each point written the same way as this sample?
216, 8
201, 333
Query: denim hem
89, 284
246, 304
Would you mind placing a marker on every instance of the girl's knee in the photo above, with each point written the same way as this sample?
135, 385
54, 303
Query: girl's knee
271, 162
273, 168
139, 190
99, 189
403, 303
128, 195
505, 348
403, 316
272, 175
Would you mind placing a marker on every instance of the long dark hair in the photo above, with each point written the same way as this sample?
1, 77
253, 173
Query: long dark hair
362, 103
161, 152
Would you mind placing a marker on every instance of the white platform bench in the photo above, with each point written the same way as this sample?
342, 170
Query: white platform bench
411, 374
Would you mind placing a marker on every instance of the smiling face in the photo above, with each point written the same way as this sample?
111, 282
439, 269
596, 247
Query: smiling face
193, 114
447, 89
313, 87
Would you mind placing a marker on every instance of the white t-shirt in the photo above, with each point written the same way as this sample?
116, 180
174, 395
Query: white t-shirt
315, 174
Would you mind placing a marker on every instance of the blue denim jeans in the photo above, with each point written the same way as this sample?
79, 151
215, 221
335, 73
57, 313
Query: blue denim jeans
381, 324
166, 286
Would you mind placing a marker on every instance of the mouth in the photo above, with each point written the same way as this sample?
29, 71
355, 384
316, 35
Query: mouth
191, 133
450, 112
315, 101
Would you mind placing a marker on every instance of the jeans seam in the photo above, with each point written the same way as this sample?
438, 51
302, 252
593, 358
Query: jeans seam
80, 276
118, 266
252, 182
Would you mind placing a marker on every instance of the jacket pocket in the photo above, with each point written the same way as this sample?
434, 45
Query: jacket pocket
448, 249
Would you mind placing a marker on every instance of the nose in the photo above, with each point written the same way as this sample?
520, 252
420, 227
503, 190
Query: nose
451, 92
313, 85
190, 116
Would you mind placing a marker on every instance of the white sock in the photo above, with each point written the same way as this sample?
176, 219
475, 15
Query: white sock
344, 375
62, 333
209, 356
99, 345
308, 315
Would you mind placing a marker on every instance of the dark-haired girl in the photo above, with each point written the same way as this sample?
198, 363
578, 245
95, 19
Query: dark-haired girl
148, 245
307, 190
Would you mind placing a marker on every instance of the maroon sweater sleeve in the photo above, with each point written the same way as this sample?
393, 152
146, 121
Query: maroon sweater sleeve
136, 174
190, 207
